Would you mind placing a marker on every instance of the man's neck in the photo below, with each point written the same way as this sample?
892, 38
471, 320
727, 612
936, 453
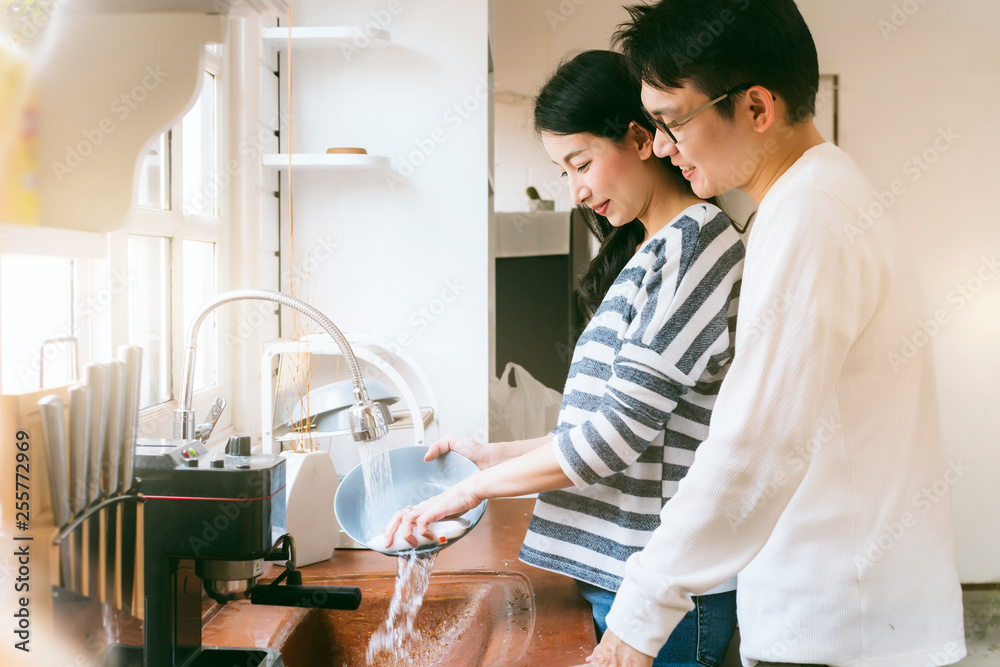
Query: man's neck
794, 143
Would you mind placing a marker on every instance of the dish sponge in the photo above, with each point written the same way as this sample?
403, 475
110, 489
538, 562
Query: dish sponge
443, 531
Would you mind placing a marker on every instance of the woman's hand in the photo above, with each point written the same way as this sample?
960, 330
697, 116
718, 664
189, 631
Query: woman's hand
477, 452
412, 521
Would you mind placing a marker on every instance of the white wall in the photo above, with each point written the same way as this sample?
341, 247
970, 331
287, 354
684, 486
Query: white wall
409, 263
902, 89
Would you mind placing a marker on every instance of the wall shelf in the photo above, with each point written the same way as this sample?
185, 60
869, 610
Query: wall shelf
329, 161
325, 37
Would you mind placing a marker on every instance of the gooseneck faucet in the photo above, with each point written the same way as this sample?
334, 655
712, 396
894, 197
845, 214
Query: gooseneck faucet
366, 417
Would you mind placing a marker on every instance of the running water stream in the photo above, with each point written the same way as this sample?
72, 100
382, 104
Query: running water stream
391, 643
377, 473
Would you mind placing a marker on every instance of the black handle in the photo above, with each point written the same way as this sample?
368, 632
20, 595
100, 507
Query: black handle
319, 597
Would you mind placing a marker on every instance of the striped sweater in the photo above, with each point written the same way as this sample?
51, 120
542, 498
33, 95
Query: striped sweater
644, 377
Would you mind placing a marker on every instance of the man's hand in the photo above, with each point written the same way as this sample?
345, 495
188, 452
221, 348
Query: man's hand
613, 652
476, 452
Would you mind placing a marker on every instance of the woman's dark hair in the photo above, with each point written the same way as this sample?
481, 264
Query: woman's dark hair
597, 93
717, 45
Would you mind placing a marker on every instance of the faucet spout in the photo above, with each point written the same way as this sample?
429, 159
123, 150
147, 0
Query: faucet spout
366, 417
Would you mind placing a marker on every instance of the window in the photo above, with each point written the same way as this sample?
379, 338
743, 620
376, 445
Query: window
154, 177
149, 314
26, 326
200, 146
140, 285
173, 245
199, 288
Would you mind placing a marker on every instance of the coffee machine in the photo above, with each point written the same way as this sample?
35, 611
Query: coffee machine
217, 510
208, 526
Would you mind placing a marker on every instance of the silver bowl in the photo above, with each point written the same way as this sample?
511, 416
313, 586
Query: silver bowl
413, 481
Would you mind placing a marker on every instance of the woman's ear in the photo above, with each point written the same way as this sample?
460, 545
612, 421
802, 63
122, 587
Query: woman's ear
642, 138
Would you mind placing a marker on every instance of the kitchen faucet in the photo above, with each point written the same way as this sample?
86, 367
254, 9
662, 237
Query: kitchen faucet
367, 420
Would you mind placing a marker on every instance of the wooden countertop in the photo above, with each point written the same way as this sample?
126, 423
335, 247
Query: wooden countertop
563, 633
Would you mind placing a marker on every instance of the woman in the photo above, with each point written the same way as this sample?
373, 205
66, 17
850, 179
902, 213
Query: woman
645, 372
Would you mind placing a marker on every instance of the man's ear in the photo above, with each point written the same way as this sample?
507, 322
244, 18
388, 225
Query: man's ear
761, 107
643, 139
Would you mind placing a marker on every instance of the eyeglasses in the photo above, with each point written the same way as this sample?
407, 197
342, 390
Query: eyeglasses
674, 124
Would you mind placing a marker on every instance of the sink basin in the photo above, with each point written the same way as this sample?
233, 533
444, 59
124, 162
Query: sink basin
469, 618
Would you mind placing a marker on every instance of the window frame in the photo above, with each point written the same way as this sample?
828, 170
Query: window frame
156, 420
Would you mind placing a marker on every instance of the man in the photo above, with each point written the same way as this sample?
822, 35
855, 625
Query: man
817, 481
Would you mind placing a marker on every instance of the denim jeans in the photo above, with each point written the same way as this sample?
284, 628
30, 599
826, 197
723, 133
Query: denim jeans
700, 639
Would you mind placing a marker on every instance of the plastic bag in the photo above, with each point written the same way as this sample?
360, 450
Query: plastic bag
528, 410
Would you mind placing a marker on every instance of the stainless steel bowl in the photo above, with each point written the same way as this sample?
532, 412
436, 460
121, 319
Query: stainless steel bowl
414, 480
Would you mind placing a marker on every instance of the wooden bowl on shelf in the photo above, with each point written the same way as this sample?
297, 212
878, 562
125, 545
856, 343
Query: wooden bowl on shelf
347, 150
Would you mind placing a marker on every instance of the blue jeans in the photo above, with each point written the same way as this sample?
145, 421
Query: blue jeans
699, 640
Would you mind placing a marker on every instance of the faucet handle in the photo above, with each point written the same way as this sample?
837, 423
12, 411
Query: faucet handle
205, 430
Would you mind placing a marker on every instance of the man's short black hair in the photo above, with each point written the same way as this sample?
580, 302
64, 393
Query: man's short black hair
716, 45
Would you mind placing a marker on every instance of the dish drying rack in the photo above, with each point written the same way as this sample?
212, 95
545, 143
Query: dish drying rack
395, 366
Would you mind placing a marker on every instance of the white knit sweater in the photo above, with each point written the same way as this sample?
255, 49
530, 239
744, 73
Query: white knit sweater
823, 481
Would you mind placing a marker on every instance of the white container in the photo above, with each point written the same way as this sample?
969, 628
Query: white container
310, 486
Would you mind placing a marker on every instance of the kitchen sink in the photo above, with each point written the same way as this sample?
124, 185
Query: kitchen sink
468, 619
